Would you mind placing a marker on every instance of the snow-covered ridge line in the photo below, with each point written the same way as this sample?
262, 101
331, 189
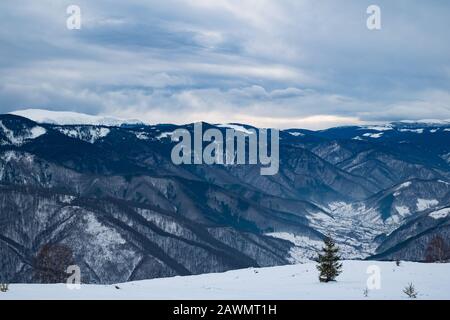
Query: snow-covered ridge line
76, 118
71, 118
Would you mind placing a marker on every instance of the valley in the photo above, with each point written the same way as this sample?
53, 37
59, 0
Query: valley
111, 193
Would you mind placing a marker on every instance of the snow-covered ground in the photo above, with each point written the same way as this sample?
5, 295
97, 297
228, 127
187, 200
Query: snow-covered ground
292, 282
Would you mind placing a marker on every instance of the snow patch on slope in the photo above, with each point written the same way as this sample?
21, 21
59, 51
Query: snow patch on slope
106, 238
13, 158
10, 155
404, 185
67, 199
23, 137
164, 135
305, 249
402, 210
89, 134
412, 130
373, 135
378, 128
236, 127
297, 134
440, 214
141, 135
424, 204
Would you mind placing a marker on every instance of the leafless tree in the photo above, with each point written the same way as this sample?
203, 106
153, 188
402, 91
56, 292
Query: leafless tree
437, 250
410, 291
51, 262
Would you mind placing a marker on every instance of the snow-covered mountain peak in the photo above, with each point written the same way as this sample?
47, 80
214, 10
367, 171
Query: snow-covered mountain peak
71, 118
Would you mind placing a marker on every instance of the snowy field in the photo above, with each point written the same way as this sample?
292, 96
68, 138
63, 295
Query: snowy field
292, 282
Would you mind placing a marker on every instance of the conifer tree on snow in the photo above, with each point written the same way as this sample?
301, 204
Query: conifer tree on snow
328, 261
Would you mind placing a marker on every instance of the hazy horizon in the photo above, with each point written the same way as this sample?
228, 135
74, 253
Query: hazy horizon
39, 114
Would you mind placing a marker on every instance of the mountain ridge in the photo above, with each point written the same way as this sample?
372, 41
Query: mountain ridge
152, 218
78, 118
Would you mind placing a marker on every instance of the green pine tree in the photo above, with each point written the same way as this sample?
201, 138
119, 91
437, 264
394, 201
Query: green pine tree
328, 261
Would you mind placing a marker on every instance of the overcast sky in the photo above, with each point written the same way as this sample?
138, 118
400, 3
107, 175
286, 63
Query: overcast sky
279, 63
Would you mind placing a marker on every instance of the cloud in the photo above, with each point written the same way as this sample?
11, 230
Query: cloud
423, 105
287, 62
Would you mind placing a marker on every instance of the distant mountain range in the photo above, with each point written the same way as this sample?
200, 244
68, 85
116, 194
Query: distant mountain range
107, 189
69, 118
